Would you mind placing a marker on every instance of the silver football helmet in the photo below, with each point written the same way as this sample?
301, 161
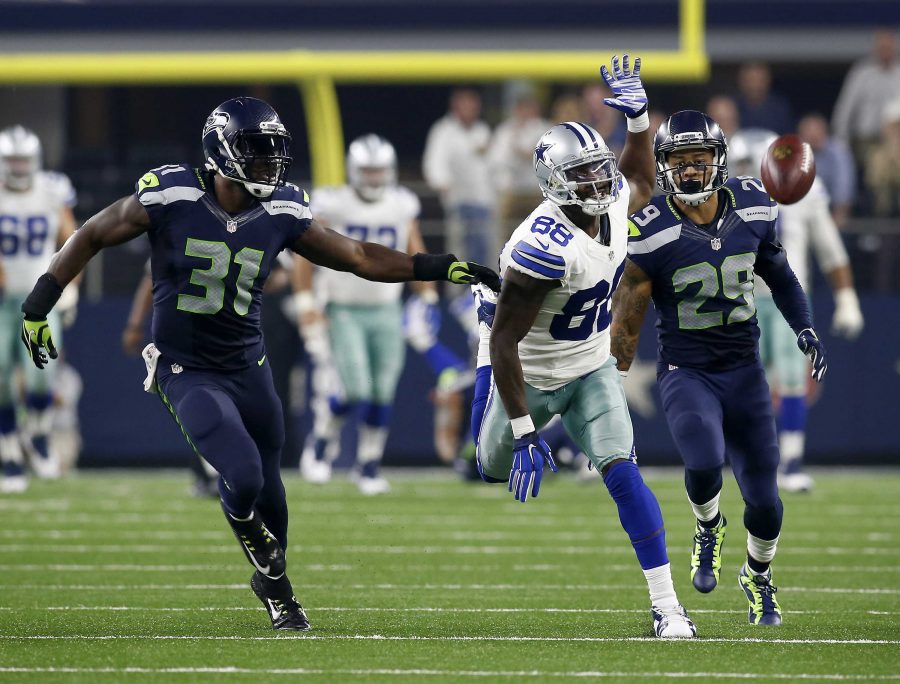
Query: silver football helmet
746, 151
574, 166
371, 166
20, 157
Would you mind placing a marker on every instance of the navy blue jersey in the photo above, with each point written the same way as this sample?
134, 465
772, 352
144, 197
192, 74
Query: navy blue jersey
209, 267
703, 276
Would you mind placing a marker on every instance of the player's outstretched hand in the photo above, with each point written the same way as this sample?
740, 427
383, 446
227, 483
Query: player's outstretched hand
470, 273
36, 338
629, 95
810, 345
529, 454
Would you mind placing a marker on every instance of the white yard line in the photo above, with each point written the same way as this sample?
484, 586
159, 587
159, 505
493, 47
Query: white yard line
367, 672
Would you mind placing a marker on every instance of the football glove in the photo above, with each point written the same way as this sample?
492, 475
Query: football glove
470, 273
36, 337
629, 95
529, 454
421, 322
847, 321
810, 345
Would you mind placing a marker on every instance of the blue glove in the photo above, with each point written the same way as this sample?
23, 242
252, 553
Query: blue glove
810, 345
529, 454
628, 91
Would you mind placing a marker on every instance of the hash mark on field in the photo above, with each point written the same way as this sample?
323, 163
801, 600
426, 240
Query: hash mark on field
447, 673
381, 637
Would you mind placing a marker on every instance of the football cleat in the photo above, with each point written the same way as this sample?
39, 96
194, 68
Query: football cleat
312, 468
706, 561
373, 486
672, 623
277, 596
262, 549
13, 484
794, 479
764, 609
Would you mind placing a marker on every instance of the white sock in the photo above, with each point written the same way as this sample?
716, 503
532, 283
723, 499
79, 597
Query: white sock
762, 550
662, 591
11, 449
371, 443
706, 511
791, 445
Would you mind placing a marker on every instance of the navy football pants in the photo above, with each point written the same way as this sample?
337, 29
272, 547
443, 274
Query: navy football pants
234, 421
711, 414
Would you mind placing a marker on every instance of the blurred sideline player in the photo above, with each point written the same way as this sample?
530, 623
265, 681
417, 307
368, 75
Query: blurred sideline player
214, 234
35, 220
802, 226
364, 320
694, 251
548, 332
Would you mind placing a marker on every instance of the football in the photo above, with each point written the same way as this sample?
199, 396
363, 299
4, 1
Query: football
788, 169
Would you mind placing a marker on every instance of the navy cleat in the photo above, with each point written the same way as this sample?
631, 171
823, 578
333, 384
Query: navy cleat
672, 623
706, 561
262, 549
764, 609
277, 596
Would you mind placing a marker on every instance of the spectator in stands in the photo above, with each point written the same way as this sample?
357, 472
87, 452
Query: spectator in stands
511, 164
834, 165
567, 107
758, 106
723, 110
605, 120
455, 165
870, 84
883, 168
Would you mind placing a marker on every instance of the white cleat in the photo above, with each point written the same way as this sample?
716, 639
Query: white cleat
795, 482
373, 486
312, 470
673, 623
14, 484
45, 468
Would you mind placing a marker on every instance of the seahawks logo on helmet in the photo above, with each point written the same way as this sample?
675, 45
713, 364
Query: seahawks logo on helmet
216, 120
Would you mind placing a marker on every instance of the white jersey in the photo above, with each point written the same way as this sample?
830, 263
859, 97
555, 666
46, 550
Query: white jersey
570, 336
387, 222
807, 225
29, 226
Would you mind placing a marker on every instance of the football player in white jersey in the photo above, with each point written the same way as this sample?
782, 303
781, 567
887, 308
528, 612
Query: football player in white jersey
35, 220
364, 319
803, 226
549, 337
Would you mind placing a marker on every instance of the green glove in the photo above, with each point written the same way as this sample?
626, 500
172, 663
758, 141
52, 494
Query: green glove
470, 273
36, 337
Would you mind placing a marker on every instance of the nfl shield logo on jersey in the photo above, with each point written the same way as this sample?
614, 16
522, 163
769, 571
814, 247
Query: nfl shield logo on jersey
716, 244
231, 227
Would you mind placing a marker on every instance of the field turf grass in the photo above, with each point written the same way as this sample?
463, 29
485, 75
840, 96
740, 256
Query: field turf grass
122, 577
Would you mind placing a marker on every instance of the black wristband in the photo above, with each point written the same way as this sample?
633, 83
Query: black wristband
432, 266
637, 114
42, 298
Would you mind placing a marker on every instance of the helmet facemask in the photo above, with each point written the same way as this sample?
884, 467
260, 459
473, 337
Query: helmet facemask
258, 160
691, 180
591, 183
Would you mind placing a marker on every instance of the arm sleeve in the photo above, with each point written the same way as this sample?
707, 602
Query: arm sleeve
772, 265
824, 236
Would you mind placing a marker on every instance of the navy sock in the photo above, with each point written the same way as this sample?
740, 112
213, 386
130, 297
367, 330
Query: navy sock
639, 513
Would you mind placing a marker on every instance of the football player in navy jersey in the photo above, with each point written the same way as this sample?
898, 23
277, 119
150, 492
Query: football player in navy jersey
215, 233
695, 250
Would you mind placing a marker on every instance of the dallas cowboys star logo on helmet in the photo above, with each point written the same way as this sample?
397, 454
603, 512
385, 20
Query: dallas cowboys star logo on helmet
541, 149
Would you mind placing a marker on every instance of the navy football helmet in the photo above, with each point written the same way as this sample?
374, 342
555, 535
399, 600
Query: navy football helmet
690, 130
245, 141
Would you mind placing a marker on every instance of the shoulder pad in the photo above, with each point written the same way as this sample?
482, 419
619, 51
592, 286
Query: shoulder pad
171, 183
288, 199
536, 253
750, 200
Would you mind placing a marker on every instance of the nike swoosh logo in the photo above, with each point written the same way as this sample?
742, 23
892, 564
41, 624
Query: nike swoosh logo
273, 609
264, 569
542, 244
261, 361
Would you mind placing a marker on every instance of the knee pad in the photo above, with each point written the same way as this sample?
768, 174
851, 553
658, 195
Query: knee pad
702, 485
764, 522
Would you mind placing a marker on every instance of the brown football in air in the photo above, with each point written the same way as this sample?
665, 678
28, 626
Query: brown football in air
788, 169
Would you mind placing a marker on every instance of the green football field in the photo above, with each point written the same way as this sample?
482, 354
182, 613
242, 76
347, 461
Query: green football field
122, 577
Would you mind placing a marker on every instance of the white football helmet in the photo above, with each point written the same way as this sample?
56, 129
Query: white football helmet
574, 166
20, 158
371, 166
746, 151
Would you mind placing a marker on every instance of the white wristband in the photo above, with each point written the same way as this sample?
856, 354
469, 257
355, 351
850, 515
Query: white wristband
521, 426
623, 374
304, 301
639, 123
